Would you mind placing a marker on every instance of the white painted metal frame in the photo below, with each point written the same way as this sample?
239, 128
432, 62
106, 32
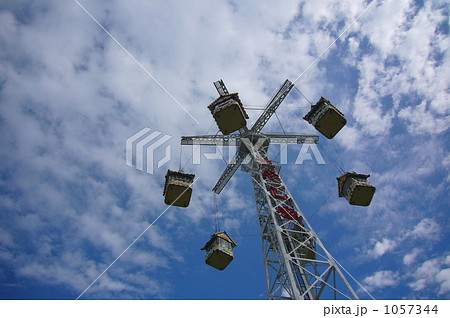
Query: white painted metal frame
297, 264
286, 243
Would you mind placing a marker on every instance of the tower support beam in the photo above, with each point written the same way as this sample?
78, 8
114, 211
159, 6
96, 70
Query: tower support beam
298, 266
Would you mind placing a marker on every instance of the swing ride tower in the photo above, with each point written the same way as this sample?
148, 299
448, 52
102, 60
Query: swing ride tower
297, 264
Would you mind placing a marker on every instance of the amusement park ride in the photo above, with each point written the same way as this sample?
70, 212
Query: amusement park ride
297, 264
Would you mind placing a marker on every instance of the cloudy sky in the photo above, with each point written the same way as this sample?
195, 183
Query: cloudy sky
71, 94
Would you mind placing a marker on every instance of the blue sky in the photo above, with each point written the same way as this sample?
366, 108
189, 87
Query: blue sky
70, 97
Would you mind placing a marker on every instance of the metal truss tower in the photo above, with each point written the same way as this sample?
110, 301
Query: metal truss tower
297, 264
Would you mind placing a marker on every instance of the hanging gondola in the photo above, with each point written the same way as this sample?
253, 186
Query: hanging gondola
326, 118
178, 188
219, 250
355, 188
229, 113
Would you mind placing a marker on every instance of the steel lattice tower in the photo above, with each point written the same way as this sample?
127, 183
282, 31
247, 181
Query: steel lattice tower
297, 264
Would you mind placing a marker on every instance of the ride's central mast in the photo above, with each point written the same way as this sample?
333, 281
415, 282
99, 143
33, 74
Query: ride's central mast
297, 264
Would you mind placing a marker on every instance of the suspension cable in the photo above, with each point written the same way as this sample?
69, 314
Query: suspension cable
217, 213
204, 214
281, 107
181, 156
303, 95
321, 206
221, 154
339, 158
192, 155
333, 161
359, 284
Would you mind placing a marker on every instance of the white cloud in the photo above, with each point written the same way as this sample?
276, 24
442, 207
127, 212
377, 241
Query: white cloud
70, 97
447, 260
425, 275
350, 138
432, 272
443, 277
410, 258
382, 247
422, 121
381, 279
403, 66
427, 229
384, 22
